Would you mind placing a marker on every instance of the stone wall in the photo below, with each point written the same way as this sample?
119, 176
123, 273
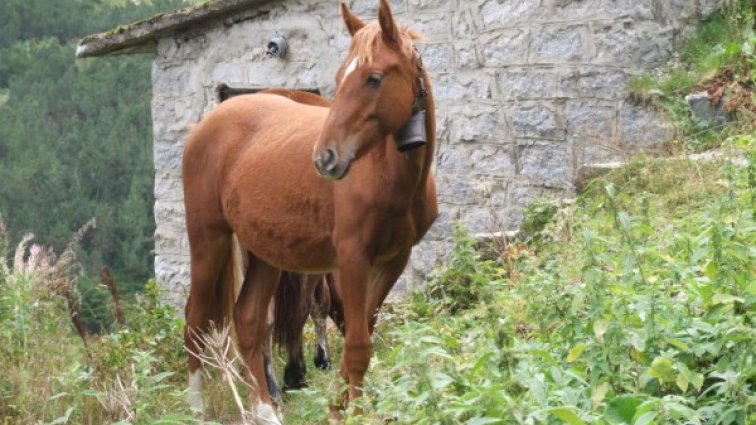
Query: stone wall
527, 91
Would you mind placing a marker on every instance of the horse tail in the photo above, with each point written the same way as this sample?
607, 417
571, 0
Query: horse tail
231, 281
291, 308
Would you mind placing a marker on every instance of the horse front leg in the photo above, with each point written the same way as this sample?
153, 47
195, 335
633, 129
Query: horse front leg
354, 271
382, 279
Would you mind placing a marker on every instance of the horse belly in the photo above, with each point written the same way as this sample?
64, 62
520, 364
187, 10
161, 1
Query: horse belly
281, 211
286, 247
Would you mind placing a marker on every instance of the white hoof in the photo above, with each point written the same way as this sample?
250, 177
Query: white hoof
264, 414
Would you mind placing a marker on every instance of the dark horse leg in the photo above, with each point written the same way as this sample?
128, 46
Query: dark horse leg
319, 315
294, 299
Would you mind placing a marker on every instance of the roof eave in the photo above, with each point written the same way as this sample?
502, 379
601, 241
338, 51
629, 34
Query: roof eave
141, 36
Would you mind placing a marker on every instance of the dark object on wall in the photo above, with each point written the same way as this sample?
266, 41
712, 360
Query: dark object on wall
277, 47
226, 92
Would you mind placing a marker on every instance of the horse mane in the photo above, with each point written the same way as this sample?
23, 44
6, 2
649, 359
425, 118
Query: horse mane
369, 40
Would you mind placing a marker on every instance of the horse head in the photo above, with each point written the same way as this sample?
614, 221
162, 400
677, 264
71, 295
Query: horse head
380, 89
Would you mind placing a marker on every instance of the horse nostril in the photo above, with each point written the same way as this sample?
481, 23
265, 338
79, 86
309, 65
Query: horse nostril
330, 160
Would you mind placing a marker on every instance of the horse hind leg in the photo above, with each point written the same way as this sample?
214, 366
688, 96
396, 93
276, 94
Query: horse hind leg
251, 316
319, 316
210, 297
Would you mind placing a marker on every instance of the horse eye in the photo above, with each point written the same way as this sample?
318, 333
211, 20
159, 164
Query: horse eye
373, 80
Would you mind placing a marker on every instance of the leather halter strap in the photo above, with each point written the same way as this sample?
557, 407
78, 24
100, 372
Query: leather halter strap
413, 134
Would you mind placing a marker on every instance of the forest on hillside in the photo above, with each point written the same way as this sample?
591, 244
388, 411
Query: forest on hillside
76, 139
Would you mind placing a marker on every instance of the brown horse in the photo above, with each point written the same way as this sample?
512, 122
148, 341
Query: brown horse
248, 171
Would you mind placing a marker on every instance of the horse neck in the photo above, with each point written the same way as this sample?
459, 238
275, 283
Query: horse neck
412, 169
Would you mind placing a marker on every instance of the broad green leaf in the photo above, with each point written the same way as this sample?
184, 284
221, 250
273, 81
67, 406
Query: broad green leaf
711, 270
645, 418
598, 394
484, 421
697, 379
575, 353
599, 329
567, 414
679, 344
682, 381
621, 410
725, 299
661, 369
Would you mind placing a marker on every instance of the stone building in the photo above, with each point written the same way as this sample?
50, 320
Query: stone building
527, 91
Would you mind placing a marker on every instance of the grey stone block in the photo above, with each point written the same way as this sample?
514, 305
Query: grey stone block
592, 120
602, 9
700, 106
463, 86
546, 163
601, 83
468, 160
642, 128
633, 45
499, 161
463, 24
467, 56
168, 186
557, 43
530, 83
437, 57
447, 215
459, 189
506, 13
428, 255
506, 47
539, 120
167, 156
473, 124
433, 27
170, 213
423, 5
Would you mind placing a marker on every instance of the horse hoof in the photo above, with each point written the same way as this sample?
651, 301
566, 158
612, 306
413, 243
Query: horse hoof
263, 414
322, 364
294, 386
321, 360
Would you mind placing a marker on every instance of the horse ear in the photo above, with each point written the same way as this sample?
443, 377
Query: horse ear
388, 26
353, 23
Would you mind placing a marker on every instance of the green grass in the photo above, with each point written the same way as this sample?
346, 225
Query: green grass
724, 44
634, 304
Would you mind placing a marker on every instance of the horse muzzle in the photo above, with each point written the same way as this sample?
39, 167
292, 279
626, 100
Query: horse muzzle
329, 165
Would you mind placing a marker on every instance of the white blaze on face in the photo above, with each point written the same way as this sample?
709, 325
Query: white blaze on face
350, 69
